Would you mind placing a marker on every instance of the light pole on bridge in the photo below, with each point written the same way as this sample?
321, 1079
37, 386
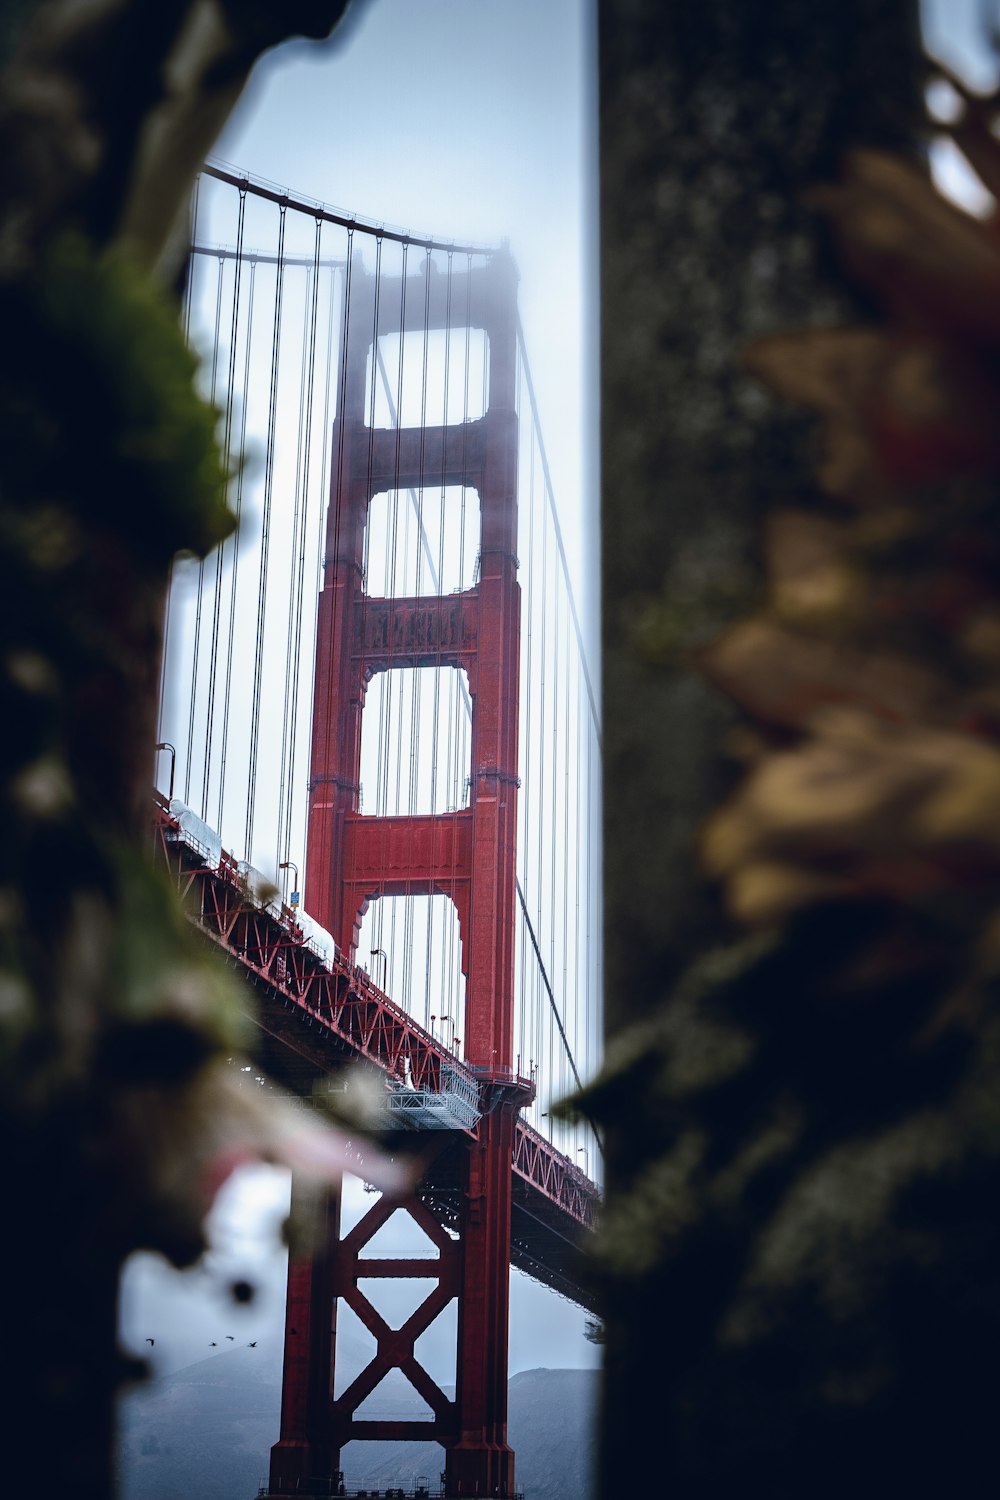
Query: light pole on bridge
166, 745
289, 864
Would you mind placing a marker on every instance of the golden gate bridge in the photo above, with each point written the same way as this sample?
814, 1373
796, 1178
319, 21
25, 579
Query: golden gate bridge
380, 684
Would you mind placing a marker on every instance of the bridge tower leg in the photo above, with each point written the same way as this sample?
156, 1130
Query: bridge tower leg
481, 1462
467, 855
303, 1448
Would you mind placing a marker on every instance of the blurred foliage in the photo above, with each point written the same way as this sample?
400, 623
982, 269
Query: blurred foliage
120, 1112
805, 1123
94, 364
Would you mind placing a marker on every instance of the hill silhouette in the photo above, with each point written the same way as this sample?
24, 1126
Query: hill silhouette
207, 1430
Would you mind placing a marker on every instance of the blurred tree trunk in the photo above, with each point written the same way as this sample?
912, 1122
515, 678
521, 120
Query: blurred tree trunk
798, 1295
715, 121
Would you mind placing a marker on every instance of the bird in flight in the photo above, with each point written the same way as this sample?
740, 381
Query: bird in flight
230, 1337
252, 1345
213, 1345
150, 1341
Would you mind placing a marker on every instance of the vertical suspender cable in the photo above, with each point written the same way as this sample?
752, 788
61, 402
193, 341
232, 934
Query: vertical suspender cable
592, 1009
265, 540
381, 783
332, 549
220, 551
526, 795
463, 726
554, 767
416, 736
577, 993
398, 725
566, 837
550, 494
240, 471
438, 803
410, 489
196, 651
300, 566
589, 817
284, 775
542, 740
551, 831
168, 596
321, 508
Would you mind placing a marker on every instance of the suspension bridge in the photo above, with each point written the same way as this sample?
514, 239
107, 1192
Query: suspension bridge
380, 684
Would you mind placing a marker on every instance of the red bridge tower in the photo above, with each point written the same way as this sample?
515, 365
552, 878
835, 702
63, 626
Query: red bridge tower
467, 855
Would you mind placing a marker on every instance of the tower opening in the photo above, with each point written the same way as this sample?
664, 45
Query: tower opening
427, 377
422, 542
416, 733
412, 948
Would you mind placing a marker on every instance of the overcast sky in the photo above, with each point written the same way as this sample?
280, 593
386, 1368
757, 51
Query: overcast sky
472, 120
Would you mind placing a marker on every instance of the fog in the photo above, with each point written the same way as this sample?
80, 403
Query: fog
471, 121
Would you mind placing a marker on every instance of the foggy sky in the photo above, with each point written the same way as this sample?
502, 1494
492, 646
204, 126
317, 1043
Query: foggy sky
472, 120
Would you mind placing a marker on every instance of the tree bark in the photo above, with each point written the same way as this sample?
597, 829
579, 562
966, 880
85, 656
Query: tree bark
759, 1115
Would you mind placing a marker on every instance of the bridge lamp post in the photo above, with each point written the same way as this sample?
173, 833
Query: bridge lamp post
289, 864
166, 745
445, 1019
381, 953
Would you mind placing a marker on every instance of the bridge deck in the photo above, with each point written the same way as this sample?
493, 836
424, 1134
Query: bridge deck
317, 1011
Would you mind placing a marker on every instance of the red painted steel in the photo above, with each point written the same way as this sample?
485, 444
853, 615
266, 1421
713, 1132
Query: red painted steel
481, 1462
305, 1446
338, 1012
468, 856
271, 947
395, 1347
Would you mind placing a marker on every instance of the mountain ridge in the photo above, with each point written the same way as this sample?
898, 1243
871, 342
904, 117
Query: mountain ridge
207, 1429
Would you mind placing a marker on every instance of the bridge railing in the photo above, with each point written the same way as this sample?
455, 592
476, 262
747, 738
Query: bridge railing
332, 1009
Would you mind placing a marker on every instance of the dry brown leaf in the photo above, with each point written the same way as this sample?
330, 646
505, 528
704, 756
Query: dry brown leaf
836, 372
897, 407
843, 791
784, 677
894, 788
859, 807
763, 893
935, 414
980, 637
932, 265
808, 567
